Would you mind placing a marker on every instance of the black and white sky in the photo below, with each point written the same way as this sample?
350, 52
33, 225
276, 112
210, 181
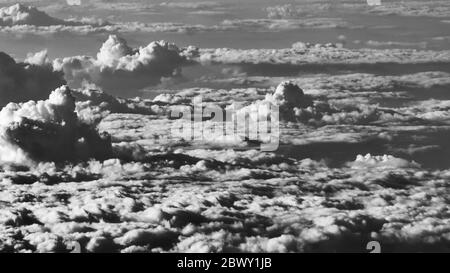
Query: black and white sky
88, 154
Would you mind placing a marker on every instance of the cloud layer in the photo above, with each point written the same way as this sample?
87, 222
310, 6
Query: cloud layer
323, 54
21, 19
48, 131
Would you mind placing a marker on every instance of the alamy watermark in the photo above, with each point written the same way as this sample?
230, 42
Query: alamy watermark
211, 123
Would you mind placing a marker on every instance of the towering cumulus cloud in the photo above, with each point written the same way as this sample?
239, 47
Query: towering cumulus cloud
288, 97
122, 70
48, 131
27, 81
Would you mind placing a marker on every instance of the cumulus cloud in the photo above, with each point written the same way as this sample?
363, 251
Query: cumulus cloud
121, 70
92, 104
190, 5
48, 131
228, 200
288, 94
284, 24
38, 58
125, 209
284, 12
200, 7
74, 2
28, 19
26, 15
288, 98
32, 80
396, 44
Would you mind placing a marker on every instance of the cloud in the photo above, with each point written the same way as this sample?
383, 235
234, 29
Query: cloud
74, 2
438, 9
284, 24
21, 19
228, 199
288, 94
385, 161
125, 209
28, 19
31, 80
48, 131
121, 70
22, 15
83, 27
396, 44
323, 54
142, 191
26, 15
39, 58
288, 98
301, 10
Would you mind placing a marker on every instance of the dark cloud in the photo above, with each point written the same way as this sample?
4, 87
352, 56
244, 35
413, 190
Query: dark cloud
22, 82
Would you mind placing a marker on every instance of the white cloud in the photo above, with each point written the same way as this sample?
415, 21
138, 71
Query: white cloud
300, 10
122, 70
26, 15
396, 44
38, 58
47, 131
93, 104
283, 12
321, 54
385, 161
74, 2
155, 194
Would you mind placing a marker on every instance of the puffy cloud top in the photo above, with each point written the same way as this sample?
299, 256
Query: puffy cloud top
320, 54
48, 131
121, 70
74, 2
22, 18
283, 11
384, 161
113, 50
288, 94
